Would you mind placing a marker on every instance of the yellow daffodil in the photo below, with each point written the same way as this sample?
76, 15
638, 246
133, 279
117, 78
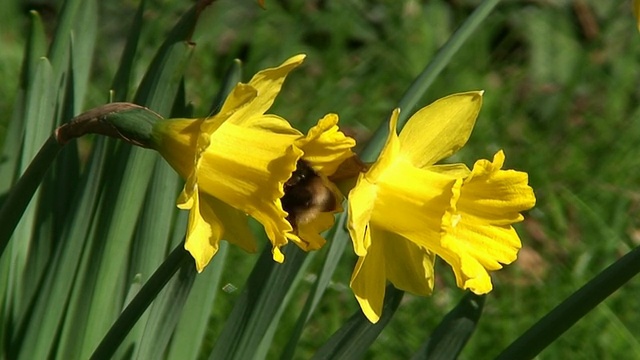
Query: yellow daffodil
237, 162
405, 210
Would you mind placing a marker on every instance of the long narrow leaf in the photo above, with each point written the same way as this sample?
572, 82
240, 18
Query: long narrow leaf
453, 332
574, 308
258, 304
353, 339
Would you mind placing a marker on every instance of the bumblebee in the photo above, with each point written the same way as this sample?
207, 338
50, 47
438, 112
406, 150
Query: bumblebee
306, 196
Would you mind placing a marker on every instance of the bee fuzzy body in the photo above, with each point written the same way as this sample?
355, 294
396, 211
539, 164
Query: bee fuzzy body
306, 196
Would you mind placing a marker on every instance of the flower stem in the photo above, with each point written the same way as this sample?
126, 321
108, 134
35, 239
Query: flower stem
179, 257
565, 315
21, 193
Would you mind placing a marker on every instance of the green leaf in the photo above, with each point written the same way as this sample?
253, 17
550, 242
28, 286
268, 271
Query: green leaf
353, 339
35, 49
258, 304
120, 84
574, 308
179, 258
455, 329
190, 333
337, 244
83, 43
37, 334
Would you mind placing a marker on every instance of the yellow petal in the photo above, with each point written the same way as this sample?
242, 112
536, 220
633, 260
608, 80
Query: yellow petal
408, 266
239, 102
389, 154
477, 232
440, 129
496, 195
176, 140
203, 233
453, 170
246, 167
325, 146
237, 229
361, 205
267, 83
412, 201
368, 283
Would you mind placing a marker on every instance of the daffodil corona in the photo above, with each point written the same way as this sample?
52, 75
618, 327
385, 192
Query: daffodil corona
237, 162
405, 210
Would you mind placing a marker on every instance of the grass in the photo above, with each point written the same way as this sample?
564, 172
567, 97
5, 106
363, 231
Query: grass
561, 98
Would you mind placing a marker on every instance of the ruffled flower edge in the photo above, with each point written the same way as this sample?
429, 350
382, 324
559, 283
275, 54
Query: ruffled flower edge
477, 236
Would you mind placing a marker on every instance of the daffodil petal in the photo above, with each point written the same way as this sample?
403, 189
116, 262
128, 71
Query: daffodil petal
440, 129
368, 283
411, 200
389, 154
272, 123
239, 103
495, 195
176, 140
414, 273
247, 167
453, 170
267, 83
361, 204
477, 232
325, 146
236, 224
203, 233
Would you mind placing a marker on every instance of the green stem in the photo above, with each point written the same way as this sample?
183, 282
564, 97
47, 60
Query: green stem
415, 92
565, 315
179, 257
20, 195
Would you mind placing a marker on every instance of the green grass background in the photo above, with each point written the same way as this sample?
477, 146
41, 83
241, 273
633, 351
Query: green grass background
562, 95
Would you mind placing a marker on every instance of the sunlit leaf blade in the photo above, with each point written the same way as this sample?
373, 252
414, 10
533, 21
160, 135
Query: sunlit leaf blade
267, 340
59, 50
36, 48
150, 249
258, 304
179, 258
169, 53
574, 308
39, 118
120, 84
337, 244
53, 204
453, 332
165, 313
39, 331
153, 236
104, 264
85, 31
190, 332
353, 339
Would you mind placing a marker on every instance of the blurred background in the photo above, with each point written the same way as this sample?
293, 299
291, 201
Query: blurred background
562, 95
